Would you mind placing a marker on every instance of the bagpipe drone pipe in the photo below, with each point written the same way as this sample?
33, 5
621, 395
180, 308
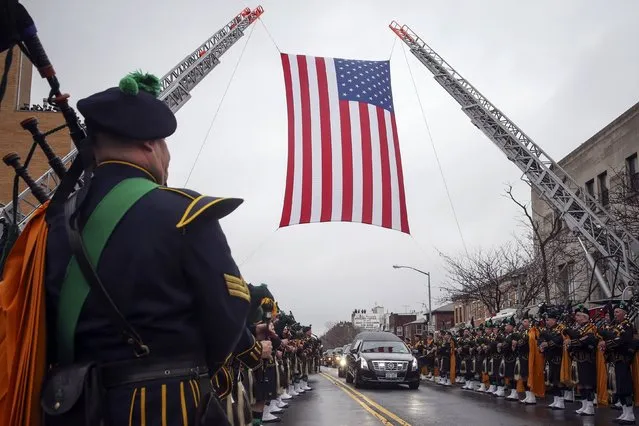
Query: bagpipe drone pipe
17, 28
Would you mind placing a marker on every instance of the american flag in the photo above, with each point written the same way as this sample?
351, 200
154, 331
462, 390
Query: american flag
344, 163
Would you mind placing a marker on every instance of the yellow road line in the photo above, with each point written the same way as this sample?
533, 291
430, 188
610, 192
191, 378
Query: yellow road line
390, 414
370, 402
379, 417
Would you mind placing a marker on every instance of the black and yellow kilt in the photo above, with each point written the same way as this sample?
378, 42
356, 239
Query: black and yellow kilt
162, 403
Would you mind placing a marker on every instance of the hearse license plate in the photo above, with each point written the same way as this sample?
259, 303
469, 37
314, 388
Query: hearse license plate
391, 375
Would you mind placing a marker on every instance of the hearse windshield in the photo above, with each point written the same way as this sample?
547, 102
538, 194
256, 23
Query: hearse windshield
384, 347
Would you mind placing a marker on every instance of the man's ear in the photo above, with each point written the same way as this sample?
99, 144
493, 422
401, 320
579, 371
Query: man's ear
148, 145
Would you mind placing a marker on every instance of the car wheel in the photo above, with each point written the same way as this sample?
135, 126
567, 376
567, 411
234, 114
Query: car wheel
357, 381
414, 385
349, 378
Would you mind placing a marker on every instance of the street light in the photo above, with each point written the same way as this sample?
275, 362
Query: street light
429, 298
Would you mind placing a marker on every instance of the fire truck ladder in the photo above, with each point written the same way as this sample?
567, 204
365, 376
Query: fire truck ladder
582, 213
176, 88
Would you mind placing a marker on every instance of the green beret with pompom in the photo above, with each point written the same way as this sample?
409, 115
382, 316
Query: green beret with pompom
131, 110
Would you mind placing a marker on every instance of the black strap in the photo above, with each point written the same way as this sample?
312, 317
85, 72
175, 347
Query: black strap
79, 251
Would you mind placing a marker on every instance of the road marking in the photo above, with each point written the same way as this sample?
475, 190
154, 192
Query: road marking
379, 417
369, 401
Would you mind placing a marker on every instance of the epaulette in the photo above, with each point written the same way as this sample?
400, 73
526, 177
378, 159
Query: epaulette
252, 356
203, 205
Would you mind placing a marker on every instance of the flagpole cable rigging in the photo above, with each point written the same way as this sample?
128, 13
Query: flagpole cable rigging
257, 248
432, 142
219, 106
269, 34
392, 48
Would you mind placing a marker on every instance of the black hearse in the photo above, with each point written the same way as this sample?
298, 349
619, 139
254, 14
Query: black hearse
381, 357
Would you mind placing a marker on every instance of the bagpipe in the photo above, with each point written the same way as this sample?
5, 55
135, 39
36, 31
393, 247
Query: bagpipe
17, 28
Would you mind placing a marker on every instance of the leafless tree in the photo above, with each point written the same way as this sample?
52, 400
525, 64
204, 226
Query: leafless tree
551, 253
479, 275
623, 198
340, 334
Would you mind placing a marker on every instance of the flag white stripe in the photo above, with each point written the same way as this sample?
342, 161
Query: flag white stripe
376, 166
394, 180
316, 140
358, 177
296, 209
336, 139
295, 183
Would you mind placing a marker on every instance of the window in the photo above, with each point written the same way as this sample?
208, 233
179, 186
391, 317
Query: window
632, 168
384, 347
590, 187
602, 182
399, 330
565, 284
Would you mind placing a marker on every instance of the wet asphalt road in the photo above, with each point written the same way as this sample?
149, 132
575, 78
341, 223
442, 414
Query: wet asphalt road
334, 403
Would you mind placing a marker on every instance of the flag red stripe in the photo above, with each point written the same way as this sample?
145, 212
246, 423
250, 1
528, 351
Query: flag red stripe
400, 178
307, 142
387, 202
367, 164
347, 161
288, 195
327, 154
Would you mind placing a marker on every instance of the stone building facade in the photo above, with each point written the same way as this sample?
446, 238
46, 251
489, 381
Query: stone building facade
605, 166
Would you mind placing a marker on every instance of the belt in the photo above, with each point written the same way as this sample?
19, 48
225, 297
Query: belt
128, 372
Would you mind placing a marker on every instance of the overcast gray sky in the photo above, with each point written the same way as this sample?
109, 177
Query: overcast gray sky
560, 70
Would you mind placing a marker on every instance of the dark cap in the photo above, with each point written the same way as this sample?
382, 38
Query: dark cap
623, 305
582, 309
130, 110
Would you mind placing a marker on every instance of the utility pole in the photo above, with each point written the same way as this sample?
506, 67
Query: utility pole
429, 294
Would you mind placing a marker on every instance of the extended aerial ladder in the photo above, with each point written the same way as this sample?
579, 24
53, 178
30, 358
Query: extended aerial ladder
582, 213
176, 88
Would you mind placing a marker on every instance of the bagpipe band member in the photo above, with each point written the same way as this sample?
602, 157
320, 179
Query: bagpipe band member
523, 348
551, 343
582, 345
619, 349
247, 356
163, 270
445, 351
509, 358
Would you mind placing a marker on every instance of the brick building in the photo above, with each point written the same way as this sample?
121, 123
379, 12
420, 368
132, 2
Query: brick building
414, 328
443, 317
16, 106
396, 322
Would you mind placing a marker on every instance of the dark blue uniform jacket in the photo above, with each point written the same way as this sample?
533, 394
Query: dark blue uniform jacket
174, 283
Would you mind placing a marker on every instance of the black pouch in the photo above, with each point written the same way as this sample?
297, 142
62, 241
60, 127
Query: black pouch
73, 395
210, 411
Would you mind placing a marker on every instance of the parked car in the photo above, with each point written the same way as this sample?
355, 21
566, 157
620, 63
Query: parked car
381, 357
341, 368
328, 358
338, 355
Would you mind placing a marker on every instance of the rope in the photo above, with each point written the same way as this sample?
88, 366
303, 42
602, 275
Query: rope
257, 248
392, 48
219, 106
269, 34
430, 136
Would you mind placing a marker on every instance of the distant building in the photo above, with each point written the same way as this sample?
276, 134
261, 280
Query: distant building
443, 317
396, 322
415, 328
371, 320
